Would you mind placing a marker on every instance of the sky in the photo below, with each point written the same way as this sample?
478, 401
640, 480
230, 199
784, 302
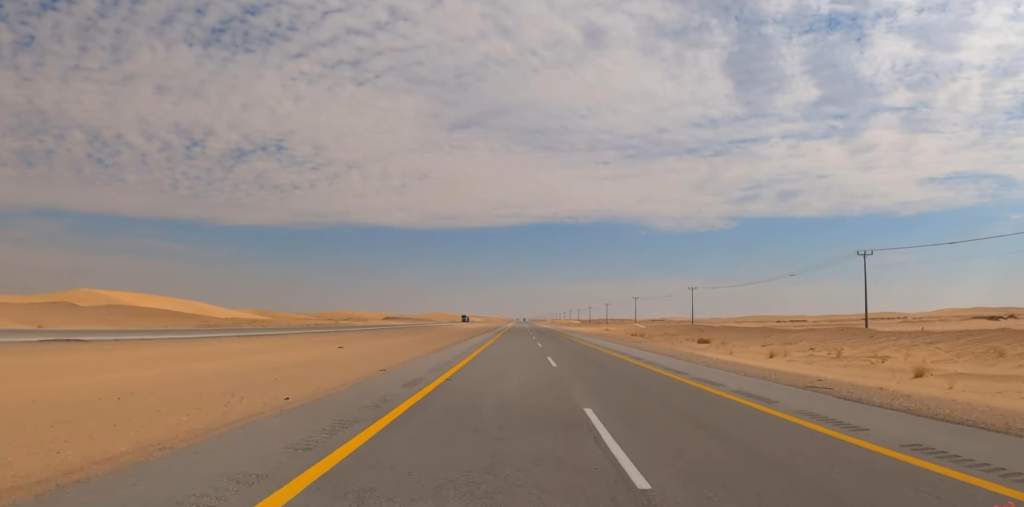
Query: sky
513, 157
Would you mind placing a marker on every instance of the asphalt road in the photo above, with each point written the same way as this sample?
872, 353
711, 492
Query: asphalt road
539, 418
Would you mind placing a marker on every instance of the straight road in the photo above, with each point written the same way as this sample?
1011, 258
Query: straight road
35, 335
514, 429
534, 417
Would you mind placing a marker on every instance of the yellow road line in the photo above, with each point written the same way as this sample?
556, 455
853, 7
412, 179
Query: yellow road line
864, 444
292, 489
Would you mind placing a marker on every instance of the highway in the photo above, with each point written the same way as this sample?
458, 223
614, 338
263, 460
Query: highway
38, 335
528, 415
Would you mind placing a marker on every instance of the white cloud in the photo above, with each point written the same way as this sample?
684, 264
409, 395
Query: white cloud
674, 114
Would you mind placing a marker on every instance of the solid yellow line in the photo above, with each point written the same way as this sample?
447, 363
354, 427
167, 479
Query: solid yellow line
292, 489
864, 444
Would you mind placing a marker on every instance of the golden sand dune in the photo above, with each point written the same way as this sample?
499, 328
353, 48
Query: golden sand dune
283, 316
101, 297
350, 315
71, 316
433, 316
112, 309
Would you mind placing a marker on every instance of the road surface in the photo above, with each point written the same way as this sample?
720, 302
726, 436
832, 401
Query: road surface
533, 416
37, 335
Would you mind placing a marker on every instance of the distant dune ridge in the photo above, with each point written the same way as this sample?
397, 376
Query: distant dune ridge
115, 309
63, 315
350, 315
103, 297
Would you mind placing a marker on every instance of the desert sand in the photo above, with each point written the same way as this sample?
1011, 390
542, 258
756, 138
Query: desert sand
961, 368
948, 319
110, 309
99, 297
74, 409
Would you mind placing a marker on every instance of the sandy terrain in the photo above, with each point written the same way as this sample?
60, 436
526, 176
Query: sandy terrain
970, 376
948, 319
73, 409
98, 297
72, 316
108, 309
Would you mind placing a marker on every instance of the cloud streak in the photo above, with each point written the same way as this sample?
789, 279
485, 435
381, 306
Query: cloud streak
683, 115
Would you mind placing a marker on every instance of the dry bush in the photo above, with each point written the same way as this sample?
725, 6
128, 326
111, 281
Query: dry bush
839, 353
772, 353
920, 370
703, 341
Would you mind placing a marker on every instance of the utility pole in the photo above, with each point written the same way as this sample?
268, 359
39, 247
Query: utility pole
606, 314
692, 290
864, 255
635, 298
589, 316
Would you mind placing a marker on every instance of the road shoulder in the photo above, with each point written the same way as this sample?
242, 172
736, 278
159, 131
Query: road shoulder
989, 455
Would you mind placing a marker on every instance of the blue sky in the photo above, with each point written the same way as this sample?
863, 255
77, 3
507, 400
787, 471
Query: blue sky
510, 157
528, 269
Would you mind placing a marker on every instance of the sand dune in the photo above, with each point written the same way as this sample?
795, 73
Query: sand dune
71, 316
111, 309
434, 317
350, 315
102, 297
283, 316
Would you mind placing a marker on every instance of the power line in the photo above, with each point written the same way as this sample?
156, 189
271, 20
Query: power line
944, 243
653, 298
865, 253
746, 284
817, 267
832, 261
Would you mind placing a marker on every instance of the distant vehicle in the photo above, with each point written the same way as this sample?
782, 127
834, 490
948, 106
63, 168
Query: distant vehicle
465, 318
